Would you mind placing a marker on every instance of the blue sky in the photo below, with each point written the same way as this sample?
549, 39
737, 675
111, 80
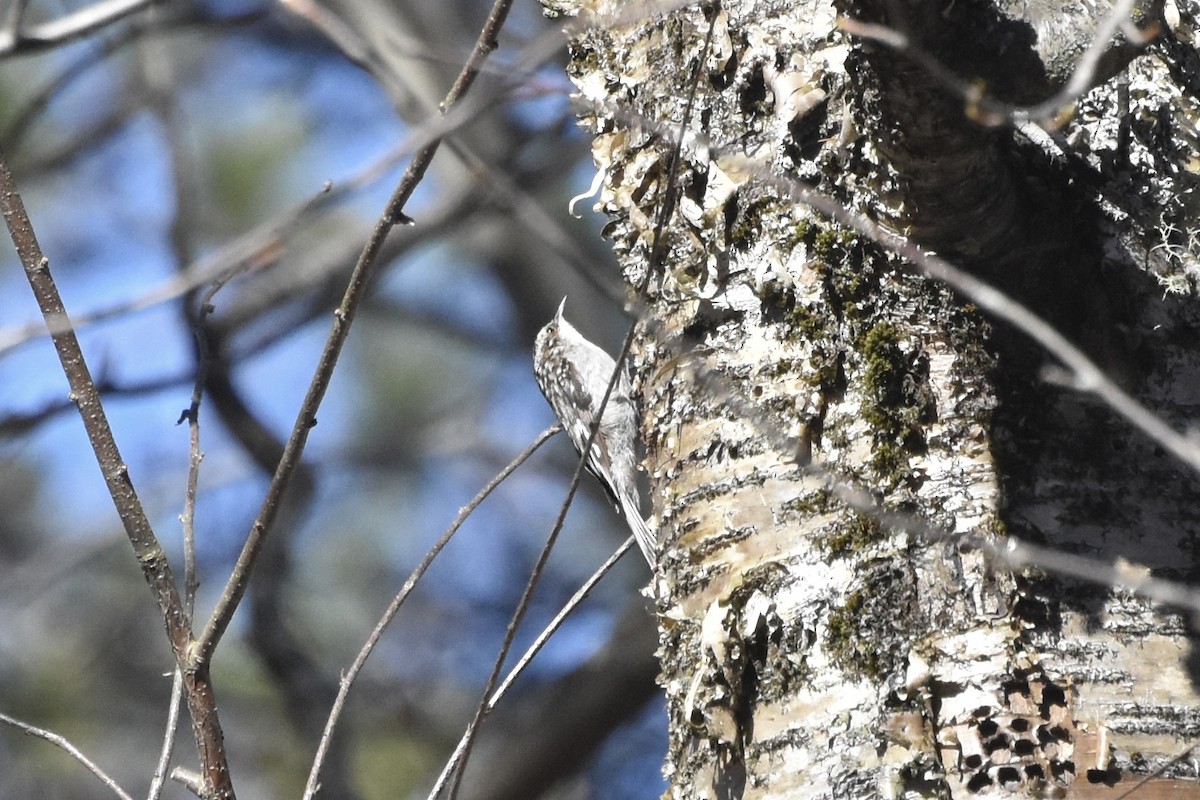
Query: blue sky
103, 221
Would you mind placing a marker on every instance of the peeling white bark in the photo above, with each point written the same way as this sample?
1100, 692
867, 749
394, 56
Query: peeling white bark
806, 651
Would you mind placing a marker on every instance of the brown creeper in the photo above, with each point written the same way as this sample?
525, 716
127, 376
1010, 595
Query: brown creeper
573, 374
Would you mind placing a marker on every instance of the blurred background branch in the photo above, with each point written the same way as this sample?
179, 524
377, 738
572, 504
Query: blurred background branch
259, 106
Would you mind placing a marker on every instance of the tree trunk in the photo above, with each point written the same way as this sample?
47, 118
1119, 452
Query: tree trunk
808, 649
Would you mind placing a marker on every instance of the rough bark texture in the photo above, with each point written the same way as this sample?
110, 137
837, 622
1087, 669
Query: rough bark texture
807, 650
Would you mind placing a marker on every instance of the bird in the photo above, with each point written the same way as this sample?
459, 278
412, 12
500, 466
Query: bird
574, 375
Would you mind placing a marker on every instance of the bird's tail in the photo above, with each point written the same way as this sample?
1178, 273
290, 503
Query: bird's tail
645, 537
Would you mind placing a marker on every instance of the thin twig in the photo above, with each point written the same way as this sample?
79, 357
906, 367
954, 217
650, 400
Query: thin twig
18, 423
249, 251
147, 549
527, 658
510, 632
72, 26
454, 771
261, 244
264, 238
86, 397
191, 581
657, 254
454, 768
70, 749
158, 71
1158, 773
368, 647
552, 627
988, 110
159, 77
1086, 376
164, 757
343, 318
21, 123
194, 17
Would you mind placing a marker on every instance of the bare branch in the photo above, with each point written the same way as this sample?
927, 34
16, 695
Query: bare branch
22, 121
1086, 375
527, 658
535, 575
657, 254
10, 25
70, 749
250, 251
393, 215
168, 746
181, 247
514, 623
368, 647
149, 552
86, 397
71, 26
990, 111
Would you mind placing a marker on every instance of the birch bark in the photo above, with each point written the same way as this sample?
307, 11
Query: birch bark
807, 650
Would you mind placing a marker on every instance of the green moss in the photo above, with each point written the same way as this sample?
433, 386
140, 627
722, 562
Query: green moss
996, 527
889, 460
849, 271
855, 535
880, 349
781, 304
866, 635
802, 233
749, 227
584, 57
826, 244
884, 369
897, 401
817, 502
846, 644
813, 327
826, 372
778, 299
